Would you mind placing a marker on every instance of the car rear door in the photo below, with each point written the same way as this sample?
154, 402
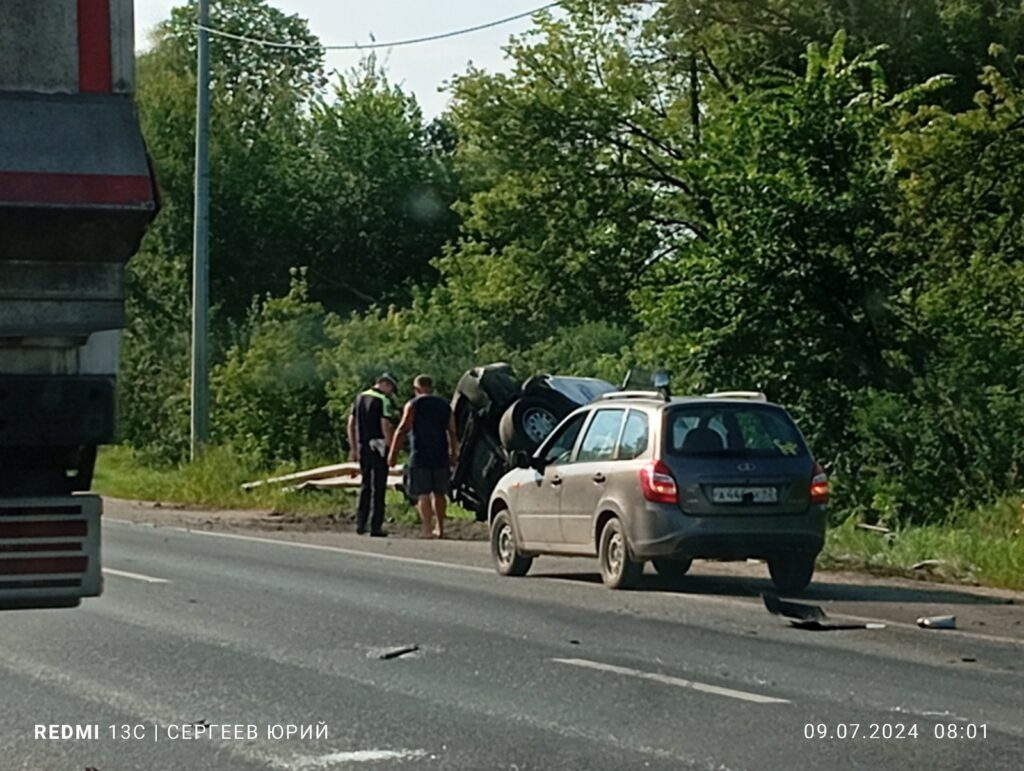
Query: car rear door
733, 458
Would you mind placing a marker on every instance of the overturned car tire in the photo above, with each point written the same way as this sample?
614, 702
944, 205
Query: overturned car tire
528, 422
494, 385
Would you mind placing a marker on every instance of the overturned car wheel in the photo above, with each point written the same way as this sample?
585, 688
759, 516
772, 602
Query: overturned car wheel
528, 422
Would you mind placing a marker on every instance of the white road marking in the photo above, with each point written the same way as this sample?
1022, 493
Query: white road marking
135, 576
335, 549
676, 681
747, 604
304, 762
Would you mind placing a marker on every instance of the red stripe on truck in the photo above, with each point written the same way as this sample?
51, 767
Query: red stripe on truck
94, 72
100, 189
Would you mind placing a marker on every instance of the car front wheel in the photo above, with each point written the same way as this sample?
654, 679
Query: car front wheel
618, 569
791, 572
507, 559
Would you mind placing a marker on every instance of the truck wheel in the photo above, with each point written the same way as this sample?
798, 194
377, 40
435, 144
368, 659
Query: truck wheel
618, 569
791, 572
528, 422
507, 559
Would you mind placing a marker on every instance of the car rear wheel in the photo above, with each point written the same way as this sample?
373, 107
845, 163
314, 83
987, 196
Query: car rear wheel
791, 572
618, 569
672, 567
507, 559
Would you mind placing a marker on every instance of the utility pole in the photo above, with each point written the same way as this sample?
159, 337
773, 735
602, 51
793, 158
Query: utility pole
201, 244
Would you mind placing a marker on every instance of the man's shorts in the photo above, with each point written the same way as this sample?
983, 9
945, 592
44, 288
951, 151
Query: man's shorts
423, 481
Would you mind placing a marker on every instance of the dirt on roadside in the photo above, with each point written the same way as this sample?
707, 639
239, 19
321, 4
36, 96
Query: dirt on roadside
187, 515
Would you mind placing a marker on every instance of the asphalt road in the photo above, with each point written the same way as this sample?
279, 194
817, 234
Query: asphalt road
546, 672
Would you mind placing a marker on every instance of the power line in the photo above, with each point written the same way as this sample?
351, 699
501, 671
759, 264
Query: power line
365, 46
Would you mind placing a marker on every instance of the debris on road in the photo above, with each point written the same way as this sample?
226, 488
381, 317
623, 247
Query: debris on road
937, 622
817, 626
797, 610
394, 653
809, 617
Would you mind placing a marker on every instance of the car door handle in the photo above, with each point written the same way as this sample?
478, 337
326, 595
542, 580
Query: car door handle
599, 478
556, 481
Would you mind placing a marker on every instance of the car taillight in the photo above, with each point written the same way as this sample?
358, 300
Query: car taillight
819, 485
657, 483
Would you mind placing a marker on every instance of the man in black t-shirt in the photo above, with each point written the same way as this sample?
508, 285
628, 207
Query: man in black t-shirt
434, 450
370, 430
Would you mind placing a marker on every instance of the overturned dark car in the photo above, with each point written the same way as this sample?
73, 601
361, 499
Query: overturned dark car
497, 414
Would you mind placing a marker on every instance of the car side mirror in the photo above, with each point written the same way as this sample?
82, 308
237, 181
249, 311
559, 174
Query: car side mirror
521, 459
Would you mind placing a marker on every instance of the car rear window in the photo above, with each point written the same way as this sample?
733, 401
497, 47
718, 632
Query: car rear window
732, 430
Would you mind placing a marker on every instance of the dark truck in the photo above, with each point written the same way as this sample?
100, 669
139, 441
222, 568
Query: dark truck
76, 194
496, 414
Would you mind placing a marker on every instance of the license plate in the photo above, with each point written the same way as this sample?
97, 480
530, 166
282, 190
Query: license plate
744, 495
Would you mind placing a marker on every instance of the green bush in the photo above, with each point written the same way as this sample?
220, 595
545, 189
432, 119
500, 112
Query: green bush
270, 392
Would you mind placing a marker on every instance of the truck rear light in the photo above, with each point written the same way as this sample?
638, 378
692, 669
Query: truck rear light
819, 485
657, 483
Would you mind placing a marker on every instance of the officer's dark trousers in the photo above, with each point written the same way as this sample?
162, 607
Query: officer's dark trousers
374, 469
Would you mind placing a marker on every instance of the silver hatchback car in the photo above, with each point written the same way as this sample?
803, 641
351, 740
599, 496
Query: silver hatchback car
637, 476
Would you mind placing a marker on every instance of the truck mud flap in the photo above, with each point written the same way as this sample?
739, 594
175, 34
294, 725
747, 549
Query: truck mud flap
49, 551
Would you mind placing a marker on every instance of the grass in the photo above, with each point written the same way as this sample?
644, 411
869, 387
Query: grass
983, 547
215, 481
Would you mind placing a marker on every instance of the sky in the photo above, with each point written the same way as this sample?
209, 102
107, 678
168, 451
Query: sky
421, 69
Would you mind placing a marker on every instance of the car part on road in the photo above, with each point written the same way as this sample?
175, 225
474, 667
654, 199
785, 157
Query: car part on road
937, 622
798, 610
618, 568
791, 572
507, 559
396, 652
672, 567
809, 617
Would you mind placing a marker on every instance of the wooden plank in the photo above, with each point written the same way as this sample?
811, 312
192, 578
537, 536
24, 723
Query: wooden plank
342, 482
334, 471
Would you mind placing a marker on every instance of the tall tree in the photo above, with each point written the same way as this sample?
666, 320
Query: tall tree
258, 99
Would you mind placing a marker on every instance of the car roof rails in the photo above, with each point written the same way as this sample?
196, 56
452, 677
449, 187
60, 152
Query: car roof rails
756, 396
657, 396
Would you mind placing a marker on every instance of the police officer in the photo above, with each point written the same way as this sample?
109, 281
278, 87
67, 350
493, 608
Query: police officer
434, 450
370, 430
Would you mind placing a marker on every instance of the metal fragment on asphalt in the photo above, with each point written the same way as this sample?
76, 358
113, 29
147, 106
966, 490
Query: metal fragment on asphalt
937, 622
797, 610
394, 653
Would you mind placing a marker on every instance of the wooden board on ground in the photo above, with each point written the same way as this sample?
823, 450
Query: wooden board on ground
343, 482
336, 471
